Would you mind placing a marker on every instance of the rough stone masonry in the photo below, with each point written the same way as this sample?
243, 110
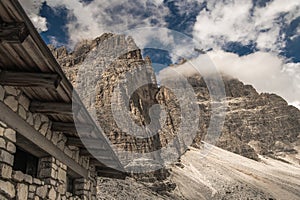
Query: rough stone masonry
51, 179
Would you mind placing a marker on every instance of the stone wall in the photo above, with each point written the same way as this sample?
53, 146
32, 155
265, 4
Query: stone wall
51, 181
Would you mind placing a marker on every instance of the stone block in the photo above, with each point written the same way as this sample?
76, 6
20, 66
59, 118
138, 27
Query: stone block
47, 173
22, 112
37, 121
2, 93
64, 166
11, 147
31, 195
58, 196
49, 135
37, 181
62, 188
51, 181
68, 152
52, 193
24, 101
1, 131
11, 102
2, 143
2, 124
28, 178
62, 175
6, 157
5, 171
68, 194
8, 188
44, 128
11, 90
54, 138
10, 134
36, 198
32, 188
54, 166
42, 191
18, 176
30, 119
44, 119
22, 191
61, 145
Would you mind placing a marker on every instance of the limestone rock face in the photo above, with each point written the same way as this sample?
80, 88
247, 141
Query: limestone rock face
255, 123
111, 62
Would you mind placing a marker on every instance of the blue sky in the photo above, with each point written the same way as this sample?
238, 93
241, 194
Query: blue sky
241, 33
57, 19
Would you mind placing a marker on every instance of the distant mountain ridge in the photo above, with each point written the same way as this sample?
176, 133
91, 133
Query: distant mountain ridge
255, 123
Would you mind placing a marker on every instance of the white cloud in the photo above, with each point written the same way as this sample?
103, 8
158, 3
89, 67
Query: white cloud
178, 45
265, 71
297, 34
238, 21
32, 8
88, 21
222, 22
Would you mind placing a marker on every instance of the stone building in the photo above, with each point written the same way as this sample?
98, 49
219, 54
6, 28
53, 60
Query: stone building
41, 153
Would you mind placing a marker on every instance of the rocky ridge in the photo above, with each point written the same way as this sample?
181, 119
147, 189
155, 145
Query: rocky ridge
256, 124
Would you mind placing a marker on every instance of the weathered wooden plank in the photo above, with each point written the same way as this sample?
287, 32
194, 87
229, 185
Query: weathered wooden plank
5, 15
26, 79
29, 64
5, 58
17, 60
98, 152
30, 147
110, 173
71, 128
14, 121
94, 143
105, 163
55, 108
11, 11
13, 32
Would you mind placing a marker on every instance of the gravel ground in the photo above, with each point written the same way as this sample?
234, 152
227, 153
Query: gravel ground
220, 175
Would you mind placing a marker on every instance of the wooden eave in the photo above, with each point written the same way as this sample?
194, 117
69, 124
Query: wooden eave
27, 55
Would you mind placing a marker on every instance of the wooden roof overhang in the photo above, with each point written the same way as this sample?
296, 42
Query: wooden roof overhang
27, 63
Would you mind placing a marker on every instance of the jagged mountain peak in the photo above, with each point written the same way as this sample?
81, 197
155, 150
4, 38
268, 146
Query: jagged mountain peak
259, 126
255, 123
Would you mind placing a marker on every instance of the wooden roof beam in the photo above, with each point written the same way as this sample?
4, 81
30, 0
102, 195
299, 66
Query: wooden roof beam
100, 151
94, 143
53, 108
111, 173
13, 32
71, 128
28, 79
108, 163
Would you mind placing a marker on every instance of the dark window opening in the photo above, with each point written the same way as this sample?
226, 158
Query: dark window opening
70, 184
25, 162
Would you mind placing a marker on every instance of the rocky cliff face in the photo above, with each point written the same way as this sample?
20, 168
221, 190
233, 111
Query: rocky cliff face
255, 123
115, 58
